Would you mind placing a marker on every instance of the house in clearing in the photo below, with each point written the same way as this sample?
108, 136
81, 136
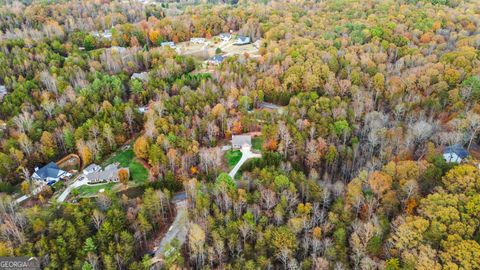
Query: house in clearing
239, 141
109, 174
225, 36
49, 173
91, 169
216, 60
242, 40
198, 40
105, 34
170, 44
455, 153
143, 109
3, 91
142, 76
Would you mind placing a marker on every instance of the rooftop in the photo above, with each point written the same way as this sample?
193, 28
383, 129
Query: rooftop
456, 149
217, 58
51, 170
241, 139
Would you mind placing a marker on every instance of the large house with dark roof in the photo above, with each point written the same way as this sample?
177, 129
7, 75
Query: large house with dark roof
48, 173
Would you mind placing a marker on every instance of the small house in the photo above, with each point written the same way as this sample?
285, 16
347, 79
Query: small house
48, 173
142, 109
91, 169
225, 36
240, 141
197, 40
216, 60
455, 153
170, 44
142, 76
107, 34
242, 40
3, 91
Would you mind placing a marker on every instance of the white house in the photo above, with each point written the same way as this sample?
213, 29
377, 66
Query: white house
105, 34
225, 36
239, 141
91, 169
197, 40
454, 154
242, 40
142, 76
142, 109
170, 44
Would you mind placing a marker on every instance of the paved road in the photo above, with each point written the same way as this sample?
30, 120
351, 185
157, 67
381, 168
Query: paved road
246, 154
79, 181
33, 193
178, 229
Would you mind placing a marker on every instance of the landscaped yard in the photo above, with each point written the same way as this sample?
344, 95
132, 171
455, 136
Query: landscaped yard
233, 156
86, 190
257, 143
126, 158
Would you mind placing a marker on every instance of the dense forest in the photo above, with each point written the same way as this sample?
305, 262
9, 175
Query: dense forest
351, 174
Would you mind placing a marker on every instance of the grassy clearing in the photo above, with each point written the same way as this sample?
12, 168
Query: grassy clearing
233, 156
85, 191
257, 143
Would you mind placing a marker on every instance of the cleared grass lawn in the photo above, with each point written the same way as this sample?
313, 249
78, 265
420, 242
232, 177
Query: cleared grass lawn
84, 191
138, 173
233, 156
257, 143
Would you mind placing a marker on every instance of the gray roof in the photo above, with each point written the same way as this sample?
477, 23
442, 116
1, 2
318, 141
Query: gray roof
110, 172
242, 139
92, 167
217, 58
143, 76
51, 170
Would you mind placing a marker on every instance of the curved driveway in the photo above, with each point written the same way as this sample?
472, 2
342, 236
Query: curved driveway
246, 154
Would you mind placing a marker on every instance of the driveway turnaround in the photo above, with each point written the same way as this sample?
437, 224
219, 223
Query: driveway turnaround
80, 181
246, 154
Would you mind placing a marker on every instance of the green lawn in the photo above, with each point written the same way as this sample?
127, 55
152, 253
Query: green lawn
257, 143
138, 173
91, 190
233, 156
